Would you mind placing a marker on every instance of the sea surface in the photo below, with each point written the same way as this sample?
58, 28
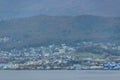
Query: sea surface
59, 75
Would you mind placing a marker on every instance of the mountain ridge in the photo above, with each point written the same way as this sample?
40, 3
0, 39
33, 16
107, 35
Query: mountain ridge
44, 29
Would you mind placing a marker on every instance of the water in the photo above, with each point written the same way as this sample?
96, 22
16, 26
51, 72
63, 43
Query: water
60, 75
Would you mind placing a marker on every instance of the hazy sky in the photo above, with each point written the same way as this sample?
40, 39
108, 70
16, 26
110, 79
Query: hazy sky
13, 8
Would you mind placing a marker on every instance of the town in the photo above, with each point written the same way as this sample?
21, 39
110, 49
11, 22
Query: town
80, 56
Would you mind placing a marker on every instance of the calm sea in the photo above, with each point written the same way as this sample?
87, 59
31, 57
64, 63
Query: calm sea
60, 75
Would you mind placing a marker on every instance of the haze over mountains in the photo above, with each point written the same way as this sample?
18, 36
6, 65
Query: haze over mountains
42, 29
23, 8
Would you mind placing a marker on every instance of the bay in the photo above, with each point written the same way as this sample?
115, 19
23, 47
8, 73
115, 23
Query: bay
59, 75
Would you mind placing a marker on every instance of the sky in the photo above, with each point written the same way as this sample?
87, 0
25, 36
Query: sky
23, 8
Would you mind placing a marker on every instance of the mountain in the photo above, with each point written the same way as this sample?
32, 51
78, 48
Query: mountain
42, 30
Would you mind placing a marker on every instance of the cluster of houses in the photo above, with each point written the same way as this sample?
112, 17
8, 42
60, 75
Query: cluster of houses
114, 65
56, 57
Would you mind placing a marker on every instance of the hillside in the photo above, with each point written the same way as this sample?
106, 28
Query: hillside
37, 30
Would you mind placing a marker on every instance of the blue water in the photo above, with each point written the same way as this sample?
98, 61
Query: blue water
60, 75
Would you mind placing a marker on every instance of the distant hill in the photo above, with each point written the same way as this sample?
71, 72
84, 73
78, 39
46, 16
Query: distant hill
37, 30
